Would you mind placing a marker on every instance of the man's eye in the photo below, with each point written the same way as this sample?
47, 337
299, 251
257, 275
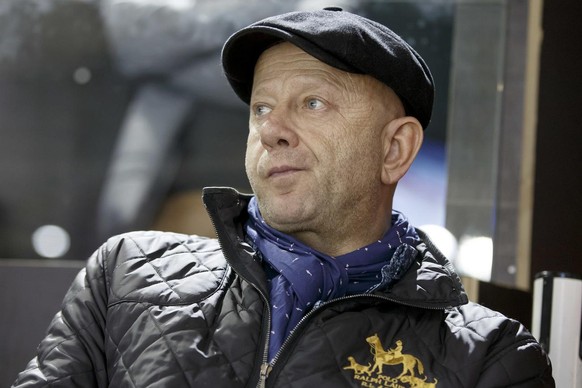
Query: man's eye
314, 103
261, 110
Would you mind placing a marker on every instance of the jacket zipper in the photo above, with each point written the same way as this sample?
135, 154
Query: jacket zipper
265, 368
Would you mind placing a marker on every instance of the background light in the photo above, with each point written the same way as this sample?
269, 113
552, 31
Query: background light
475, 257
444, 240
51, 241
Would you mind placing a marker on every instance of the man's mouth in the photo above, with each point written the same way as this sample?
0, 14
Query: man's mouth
281, 171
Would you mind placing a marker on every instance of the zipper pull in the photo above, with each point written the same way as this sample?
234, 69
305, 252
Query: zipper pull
265, 370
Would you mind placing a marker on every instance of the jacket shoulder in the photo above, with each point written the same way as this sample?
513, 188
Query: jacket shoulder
481, 320
504, 345
489, 326
162, 267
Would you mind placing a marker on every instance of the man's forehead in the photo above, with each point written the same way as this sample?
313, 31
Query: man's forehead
285, 66
280, 51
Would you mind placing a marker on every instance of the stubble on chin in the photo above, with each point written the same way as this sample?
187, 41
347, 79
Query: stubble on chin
285, 215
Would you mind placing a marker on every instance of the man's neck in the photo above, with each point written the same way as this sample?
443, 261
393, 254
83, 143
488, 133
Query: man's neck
340, 241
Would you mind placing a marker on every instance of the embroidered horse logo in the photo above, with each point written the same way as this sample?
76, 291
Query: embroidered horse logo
393, 357
412, 368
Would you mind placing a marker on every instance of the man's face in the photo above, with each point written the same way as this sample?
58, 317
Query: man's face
314, 150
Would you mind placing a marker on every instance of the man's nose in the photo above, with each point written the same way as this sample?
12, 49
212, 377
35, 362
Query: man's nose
278, 131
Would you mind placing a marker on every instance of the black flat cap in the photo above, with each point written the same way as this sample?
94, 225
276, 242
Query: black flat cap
341, 39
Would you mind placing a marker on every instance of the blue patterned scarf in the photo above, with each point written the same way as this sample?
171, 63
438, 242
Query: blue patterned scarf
300, 277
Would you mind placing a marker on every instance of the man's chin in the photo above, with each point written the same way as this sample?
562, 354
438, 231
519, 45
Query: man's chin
285, 216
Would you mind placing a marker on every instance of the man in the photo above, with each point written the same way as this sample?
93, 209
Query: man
312, 279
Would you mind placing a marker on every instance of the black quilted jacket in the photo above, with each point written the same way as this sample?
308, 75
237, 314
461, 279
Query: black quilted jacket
156, 309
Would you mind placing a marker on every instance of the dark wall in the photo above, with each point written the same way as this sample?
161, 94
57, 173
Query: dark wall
31, 292
557, 217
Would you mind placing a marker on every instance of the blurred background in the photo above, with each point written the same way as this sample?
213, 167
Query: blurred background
114, 114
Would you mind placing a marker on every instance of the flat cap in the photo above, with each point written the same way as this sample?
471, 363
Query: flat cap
341, 39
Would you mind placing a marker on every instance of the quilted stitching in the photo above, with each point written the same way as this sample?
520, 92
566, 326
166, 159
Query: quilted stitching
171, 275
149, 274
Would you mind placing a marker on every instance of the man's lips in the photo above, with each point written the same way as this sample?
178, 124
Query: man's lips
282, 170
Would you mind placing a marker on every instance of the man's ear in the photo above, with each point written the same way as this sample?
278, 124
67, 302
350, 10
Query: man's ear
402, 138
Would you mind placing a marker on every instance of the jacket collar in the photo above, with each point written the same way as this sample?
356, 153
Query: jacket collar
227, 210
431, 282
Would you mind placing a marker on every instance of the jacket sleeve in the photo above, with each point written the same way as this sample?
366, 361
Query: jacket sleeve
515, 360
72, 353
